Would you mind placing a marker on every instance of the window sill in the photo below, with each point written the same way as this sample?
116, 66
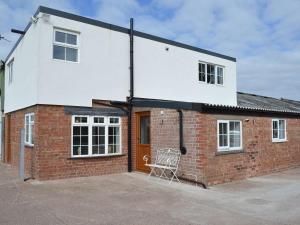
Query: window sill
98, 156
279, 141
229, 152
28, 145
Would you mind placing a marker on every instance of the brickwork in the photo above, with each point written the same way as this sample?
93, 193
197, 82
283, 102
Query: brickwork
52, 149
50, 158
14, 122
260, 155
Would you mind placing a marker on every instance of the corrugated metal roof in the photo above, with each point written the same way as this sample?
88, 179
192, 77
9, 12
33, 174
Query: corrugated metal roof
254, 102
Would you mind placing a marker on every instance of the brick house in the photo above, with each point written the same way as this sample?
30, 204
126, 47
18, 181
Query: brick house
94, 98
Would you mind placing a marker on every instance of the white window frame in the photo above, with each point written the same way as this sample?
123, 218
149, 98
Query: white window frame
215, 74
228, 148
10, 67
90, 123
65, 45
285, 133
30, 141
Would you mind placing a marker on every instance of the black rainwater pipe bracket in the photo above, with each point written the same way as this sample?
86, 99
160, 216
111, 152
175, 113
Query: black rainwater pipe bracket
181, 147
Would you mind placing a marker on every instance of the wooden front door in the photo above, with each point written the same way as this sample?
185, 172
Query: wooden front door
143, 140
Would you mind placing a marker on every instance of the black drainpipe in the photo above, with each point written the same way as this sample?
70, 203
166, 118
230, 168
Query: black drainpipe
181, 147
130, 97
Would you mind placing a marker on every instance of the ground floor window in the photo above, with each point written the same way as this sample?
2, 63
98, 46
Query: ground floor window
29, 129
278, 130
95, 135
229, 135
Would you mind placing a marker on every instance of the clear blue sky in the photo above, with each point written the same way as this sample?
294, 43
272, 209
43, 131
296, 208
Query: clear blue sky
264, 35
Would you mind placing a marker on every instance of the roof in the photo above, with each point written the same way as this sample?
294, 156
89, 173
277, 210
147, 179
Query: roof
98, 23
246, 104
259, 103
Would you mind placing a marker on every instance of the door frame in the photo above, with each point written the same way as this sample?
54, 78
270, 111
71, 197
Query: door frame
138, 115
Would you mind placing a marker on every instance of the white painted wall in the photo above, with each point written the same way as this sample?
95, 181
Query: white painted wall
22, 92
103, 70
173, 74
101, 73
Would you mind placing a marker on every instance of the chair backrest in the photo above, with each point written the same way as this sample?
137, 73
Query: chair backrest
168, 157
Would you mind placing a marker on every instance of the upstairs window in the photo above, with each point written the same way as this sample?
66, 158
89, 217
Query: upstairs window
10, 71
202, 72
211, 74
29, 129
229, 135
278, 130
220, 72
65, 46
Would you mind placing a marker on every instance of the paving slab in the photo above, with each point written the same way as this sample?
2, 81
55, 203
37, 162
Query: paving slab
132, 198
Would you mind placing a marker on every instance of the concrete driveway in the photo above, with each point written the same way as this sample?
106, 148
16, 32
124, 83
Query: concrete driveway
132, 199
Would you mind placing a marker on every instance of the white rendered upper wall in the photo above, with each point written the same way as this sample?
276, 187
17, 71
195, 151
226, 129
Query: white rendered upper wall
102, 71
21, 92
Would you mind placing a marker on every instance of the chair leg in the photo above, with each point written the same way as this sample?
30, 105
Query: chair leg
174, 176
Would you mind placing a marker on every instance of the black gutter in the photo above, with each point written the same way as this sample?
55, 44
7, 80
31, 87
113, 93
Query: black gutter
131, 91
181, 147
98, 23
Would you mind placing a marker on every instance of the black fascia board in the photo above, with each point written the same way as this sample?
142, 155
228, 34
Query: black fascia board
109, 26
247, 112
156, 103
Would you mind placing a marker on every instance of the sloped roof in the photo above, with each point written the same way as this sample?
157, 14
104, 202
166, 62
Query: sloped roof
267, 103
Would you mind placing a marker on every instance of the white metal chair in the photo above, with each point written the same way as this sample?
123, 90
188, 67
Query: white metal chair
166, 160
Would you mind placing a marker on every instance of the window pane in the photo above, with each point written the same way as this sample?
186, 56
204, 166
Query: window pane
210, 74
71, 39
84, 140
275, 129
145, 130
234, 134
98, 119
219, 75
113, 139
84, 150
76, 140
60, 37
84, 131
76, 150
71, 54
113, 120
58, 52
76, 130
281, 129
32, 133
223, 136
201, 72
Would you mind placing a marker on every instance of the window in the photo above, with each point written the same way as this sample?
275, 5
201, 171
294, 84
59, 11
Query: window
211, 74
10, 71
202, 72
29, 129
95, 136
220, 75
65, 46
229, 135
278, 130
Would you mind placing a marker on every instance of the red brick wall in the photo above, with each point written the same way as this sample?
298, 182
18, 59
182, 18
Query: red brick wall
14, 122
50, 157
261, 156
165, 134
52, 147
